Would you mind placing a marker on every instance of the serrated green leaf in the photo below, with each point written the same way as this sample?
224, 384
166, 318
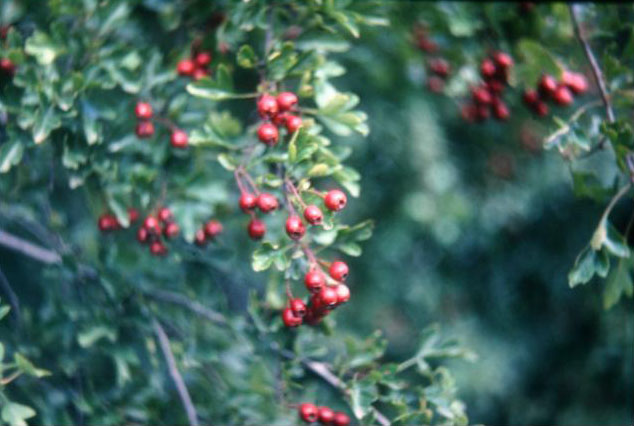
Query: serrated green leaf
16, 414
618, 283
10, 155
246, 57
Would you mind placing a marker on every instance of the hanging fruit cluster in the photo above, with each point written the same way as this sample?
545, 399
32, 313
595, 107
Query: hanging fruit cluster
196, 66
310, 413
560, 92
486, 98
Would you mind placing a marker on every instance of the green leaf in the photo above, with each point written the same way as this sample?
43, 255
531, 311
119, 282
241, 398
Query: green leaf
615, 243
92, 335
45, 122
4, 310
227, 161
586, 184
246, 57
16, 414
536, 60
26, 367
618, 283
42, 48
216, 90
363, 393
263, 258
10, 155
118, 206
586, 265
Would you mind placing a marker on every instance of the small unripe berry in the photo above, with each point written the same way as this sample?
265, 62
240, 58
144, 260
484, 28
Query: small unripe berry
171, 230
563, 96
487, 69
165, 214
185, 67
203, 59
267, 106
313, 214
144, 129
200, 238
143, 111
308, 412
503, 60
547, 85
248, 201
325, 415
314, 280
286, 101
335, 200
133, 214
158, 249
256, 229
340, 419
268, 134
179, 139
267, 202
293, 123
107, 222
142, 235
152, 225
530, 97
213, 228
343, 293
439, 66
328, 296
290, 319
481, 95
295, 227
298, 307
338, 270
575, 82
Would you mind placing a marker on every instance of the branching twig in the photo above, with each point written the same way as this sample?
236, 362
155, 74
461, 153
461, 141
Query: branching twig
179, 299
183, 393
29, 249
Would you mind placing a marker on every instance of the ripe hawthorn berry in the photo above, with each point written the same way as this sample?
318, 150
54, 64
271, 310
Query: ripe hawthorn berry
482, 112
313, 214
335, 200
165, 214
142, 235
143, 111
314, 280
256, 229
179, 139
248, 201
213, 228
308, 412
343, 293
547, 85
290, 319
268, 134
530, 97
487, 69
298, 307
203, 59
340, 419
562, 96
328, 296
200, 73
501, 111
286, 101
439, 66
158, 249
171, 230
133, 214
338, 270
503, 60
144, 129
295, 227
481, 95
107, 222
325, 415
152, 225
267, 106
540, 108
280, 119
7, 67
575, 82
185, 67
495, 86
468, 112
293, 123
267, 202
200, 238
435, 84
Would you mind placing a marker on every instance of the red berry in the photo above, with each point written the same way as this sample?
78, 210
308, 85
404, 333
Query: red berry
435, 84
482, 112
142, 235
468, 112
339, 270
495, 86
203, 59
340, 419
213, 228
179, 139
248, 201
540, 108
158, 249
298, 307
143, 111
335, 200
313, 214
165, 214
481, 95
256, 229
439, 66
199, 73
152, 225
547, 85
343, 293
107, 222
171, 230
185, 67
286, 101
575, 82
328, 296
7, 67
144, 129
200, 238
427, 45
500, 110
308, 412
325, 415
487, 69
530, 97
280, 119
133, 214
314, 280
293, 123
268, 134
290, 319
503, 60
295, 227
562, 96
267, 106
267, 202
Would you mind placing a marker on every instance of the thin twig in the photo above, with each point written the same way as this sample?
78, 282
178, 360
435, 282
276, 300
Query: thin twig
181, 300
29, 249
183, 393
573, 118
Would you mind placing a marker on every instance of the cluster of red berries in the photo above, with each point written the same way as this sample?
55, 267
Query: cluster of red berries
108, 222
439, 69
209, 231
196, 67
310, 413
154, 227
486, 98
276, 111
561, 92
145, 126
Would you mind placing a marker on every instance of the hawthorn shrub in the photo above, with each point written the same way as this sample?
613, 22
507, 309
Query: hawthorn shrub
150, 151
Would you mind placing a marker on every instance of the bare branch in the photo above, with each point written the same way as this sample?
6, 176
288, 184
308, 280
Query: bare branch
183, 393
181, 300
29, 249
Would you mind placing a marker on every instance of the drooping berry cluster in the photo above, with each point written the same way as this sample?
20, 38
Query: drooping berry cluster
486, 98
310, 413
277, 111
108, 222
560, 92
156, 227
209, 231
439, 70
196, 66
145, 126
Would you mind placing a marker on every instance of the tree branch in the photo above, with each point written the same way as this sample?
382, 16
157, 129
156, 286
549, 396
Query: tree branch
183, 393
181, 300
29, 249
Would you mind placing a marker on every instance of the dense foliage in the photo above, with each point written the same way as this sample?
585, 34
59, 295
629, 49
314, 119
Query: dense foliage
126, 116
